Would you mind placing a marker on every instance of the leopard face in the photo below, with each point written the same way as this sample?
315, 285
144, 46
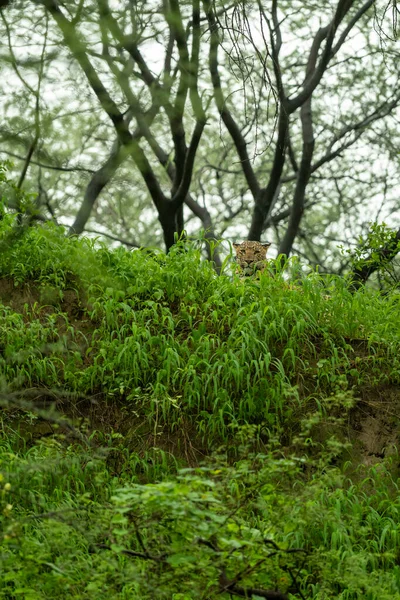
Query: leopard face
251, 256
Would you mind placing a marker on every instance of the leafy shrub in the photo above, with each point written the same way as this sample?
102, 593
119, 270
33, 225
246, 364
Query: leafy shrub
255, 522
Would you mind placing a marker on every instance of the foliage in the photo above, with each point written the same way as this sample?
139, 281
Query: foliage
260, 376
179, 344
11, 194
375, 253
248, 520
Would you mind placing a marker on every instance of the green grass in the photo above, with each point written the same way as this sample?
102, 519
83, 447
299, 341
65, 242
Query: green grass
176, 343
162, 365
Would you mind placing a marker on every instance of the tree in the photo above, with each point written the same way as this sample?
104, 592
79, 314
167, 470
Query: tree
162, 96
110, 74
288, 152
293, 95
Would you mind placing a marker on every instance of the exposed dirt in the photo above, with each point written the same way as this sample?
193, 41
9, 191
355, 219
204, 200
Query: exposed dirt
46, 300
110, 419
374, 424
17, 296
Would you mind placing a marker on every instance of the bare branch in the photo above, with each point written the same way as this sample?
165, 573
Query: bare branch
179, 197
103, 175
129, 243
230, 123
51, 167
266, 198
109, 106
312, 80
304, 172
361, 11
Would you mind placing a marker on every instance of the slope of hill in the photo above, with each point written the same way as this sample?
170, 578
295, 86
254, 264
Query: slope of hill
168, 433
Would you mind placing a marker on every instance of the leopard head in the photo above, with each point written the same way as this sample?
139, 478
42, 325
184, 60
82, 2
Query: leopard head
251, 256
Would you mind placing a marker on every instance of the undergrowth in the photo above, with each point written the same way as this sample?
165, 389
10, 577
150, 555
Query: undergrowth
227, 473
177, 344
232, 526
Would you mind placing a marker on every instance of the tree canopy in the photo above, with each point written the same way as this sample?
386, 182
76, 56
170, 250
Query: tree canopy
142, 120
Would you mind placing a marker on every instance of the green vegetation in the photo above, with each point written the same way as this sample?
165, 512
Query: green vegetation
213, 437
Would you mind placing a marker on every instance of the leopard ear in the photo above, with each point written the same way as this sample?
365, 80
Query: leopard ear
266, 245
236, 244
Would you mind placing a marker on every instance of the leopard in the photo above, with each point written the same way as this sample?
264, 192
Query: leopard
250, 257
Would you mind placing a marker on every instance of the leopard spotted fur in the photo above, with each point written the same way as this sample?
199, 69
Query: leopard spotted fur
250, 257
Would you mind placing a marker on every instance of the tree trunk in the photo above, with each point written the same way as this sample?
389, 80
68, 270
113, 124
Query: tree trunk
98, 181
303, 177
169, 223
267, 195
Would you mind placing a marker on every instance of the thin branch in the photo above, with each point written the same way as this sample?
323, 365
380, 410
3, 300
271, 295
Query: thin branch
77, 49
115, 238
328, 33
51, 167
246, 592
230, 123
13, 58
361, 11
133, 554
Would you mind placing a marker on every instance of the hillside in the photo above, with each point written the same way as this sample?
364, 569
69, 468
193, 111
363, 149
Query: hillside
168, 433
